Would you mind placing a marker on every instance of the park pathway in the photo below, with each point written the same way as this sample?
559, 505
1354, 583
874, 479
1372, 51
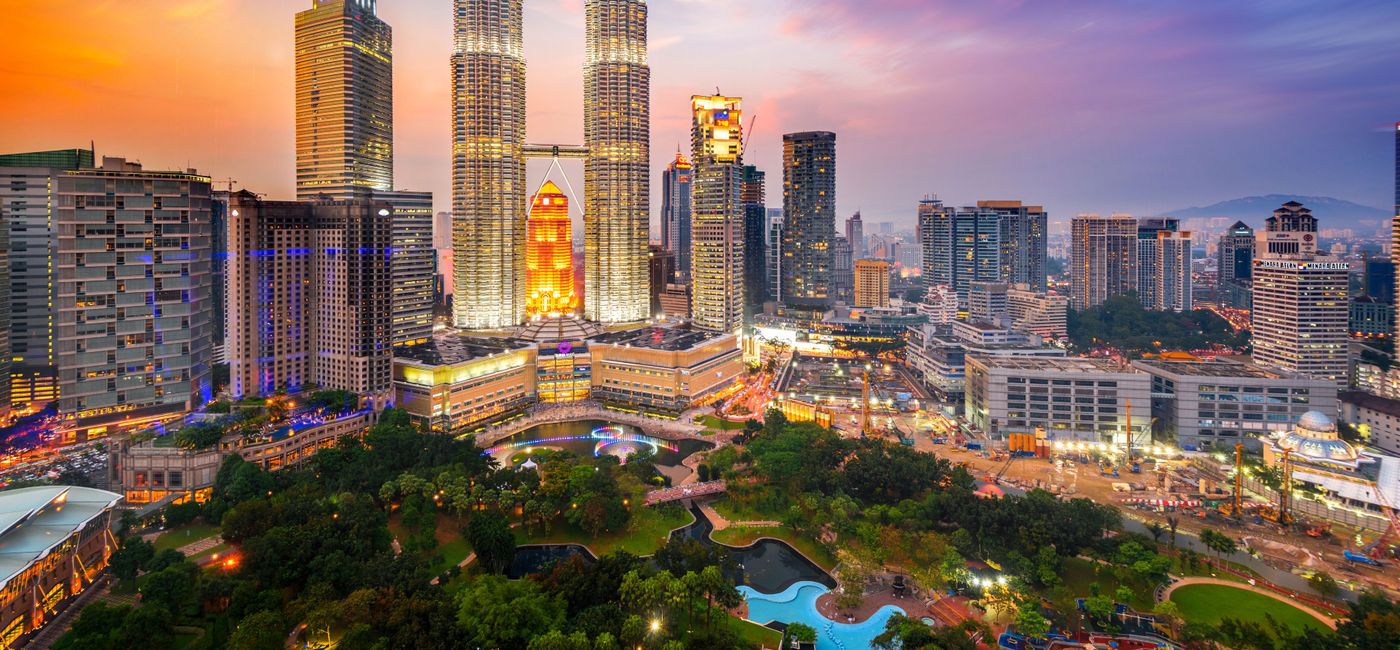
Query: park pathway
720, 523
1183, 582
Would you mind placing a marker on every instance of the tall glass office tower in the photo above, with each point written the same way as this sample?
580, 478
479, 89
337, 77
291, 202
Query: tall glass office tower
344, 100
717, 241
488, 165
809, 213
617, 133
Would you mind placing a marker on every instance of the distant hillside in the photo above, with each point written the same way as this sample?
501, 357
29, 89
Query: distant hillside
1253, 210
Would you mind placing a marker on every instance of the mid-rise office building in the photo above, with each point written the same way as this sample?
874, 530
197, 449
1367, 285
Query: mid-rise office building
1147, 273
809, 217
1371, 317
987, 302
1037, 312
1173, 270
676, 212
1103, 258
855, 234
1376, 418
488, 164
717, 244
310, 296
1378, 279
134, 295
1221, 403
29, 194
617, 184
751, 197
1069, 398
1236, 253
872, 280
842, 272
344, 100
675, 301
1301, 315
1291, 231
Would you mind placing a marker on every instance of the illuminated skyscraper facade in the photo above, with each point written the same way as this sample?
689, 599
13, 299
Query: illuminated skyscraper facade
809, 212
751, 198
549, 254
413, 264
488, 164
717, 245
344, 100
617, 133
676, 211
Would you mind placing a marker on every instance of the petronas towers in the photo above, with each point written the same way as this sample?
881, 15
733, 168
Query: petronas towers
489, 152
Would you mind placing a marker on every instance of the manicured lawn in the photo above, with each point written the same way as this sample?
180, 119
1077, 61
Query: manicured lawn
1210, 603
718, 423
653, 526
744, 535
185, 535
738, 511
754, 633
217, 549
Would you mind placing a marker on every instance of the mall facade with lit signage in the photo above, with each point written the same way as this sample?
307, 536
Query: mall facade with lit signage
455, 382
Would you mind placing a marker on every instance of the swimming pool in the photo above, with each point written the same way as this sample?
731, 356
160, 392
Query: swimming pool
798, 604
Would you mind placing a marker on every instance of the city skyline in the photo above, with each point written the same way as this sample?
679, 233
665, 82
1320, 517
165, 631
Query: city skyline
1148, 112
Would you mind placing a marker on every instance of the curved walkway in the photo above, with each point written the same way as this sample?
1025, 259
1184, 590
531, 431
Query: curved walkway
658, 427
1184, 582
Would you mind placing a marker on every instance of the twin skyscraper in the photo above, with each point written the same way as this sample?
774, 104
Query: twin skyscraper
489, 150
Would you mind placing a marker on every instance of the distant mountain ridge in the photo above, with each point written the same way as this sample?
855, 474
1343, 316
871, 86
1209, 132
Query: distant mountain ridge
1330, 212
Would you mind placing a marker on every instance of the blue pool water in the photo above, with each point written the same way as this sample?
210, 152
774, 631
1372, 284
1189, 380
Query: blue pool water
798, 604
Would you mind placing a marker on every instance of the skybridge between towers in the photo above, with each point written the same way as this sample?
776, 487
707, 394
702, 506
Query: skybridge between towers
571, 151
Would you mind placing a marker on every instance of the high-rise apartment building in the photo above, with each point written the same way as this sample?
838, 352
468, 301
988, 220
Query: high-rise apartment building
751, 197
413, 262
549, 254
960, 245
617, 134
344, 100
775, 253
717, 245
676, 212
1103, 258
134, 297
1291, 231
872, 280
1300, 315
842, 271
1235, 253
855, 233
1173, 262
1147, 273
488, 164
809, 214
29, 194
310, 296
6, 359
1023, 246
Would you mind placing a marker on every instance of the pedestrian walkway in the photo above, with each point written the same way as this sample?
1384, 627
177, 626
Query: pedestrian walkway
195, 548
720, 523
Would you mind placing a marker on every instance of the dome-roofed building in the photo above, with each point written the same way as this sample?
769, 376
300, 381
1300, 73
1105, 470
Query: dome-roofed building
1315, 437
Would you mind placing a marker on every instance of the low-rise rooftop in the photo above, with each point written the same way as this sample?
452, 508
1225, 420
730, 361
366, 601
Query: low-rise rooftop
34, 520
451, 348
657, 338
1055, 364
1213, 369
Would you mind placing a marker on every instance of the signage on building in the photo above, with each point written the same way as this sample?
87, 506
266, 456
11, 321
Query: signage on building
1302, 266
